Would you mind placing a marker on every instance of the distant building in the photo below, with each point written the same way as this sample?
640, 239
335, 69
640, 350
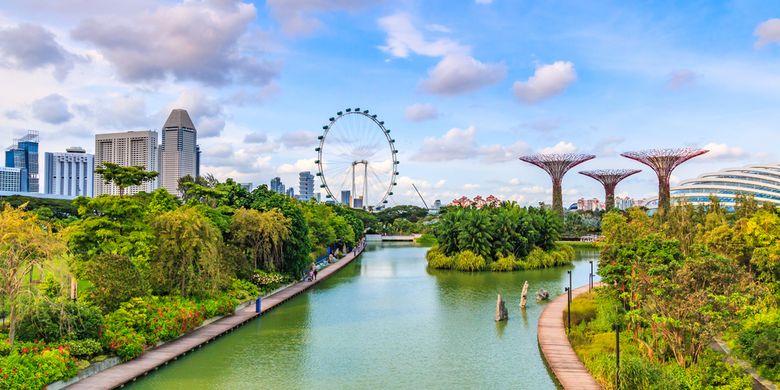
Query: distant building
760, 181
131, 148
318, 196
436, 204
246, 186
277, 185
346, 197
305, 185
11, 179
70, 174
622, 203
291, 192
589, 204
179, 152
357, 203
23, 154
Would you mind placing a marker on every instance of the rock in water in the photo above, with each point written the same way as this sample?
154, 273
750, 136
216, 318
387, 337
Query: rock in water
542, 295
524, 296
501, 313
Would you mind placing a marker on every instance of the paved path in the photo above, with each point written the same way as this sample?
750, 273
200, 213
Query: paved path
560, 356
154, 358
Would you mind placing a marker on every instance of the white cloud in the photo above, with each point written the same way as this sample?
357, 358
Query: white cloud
498, 153
768, 32
296, 18
257, 137
459, 73
470, 187
455, 144
438, 28
607, 146
404, 38
52, 109
28, 47
440, 183
514, 181
194, 40
723, 152
298, 166
680, 78
560, 148
420, 112
299, 139
547, 81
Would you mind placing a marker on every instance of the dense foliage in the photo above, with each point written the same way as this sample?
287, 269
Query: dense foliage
147, 267
504, 238
697, 275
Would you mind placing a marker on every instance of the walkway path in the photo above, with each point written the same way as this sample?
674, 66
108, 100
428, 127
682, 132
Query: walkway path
557, 350
152, 359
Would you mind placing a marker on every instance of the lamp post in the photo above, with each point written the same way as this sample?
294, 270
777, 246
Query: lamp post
590, 280
568, 309
570, 296
617, 355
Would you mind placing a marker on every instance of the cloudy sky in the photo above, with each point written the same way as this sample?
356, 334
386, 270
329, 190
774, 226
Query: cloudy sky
466, 86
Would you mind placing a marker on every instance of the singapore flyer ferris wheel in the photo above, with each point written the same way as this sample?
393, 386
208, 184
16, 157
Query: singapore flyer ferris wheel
356, 160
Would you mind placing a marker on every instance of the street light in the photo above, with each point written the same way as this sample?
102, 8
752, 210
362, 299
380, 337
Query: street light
590, 280
617, 355
568, 309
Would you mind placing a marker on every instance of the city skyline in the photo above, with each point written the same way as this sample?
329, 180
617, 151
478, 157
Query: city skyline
601, 79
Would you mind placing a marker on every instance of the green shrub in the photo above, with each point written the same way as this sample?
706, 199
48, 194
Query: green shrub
426, 240
759, 341
84, 349
504, 264
537, 258
36, 369
438, 260
59, 320
242, 290
469, 261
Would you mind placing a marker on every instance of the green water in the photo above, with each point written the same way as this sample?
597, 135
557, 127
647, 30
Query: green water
385, 321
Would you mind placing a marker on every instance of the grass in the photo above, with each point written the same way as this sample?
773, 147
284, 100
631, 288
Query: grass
580, 244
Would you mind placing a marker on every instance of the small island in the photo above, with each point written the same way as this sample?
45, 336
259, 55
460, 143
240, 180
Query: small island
498, 237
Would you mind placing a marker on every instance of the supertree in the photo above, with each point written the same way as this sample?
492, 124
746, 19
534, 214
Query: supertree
610, 178
663, 162
556, 165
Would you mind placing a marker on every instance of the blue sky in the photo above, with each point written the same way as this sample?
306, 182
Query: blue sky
465, 86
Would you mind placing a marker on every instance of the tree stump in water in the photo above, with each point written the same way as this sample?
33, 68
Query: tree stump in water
524, 296
542, 295
501, 313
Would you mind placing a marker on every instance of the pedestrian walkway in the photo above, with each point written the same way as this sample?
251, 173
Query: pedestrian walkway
156, 357
556, 349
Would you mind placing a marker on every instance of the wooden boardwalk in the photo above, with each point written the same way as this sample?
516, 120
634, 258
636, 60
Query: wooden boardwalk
154, 358
560, 357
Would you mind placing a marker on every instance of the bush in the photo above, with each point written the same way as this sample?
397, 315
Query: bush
469, 261
759, 340
438, 260
59, 320
84, 349
35, 370
268, 279
242, 290
504, 264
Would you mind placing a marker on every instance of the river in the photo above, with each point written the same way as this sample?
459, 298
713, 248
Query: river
385, 321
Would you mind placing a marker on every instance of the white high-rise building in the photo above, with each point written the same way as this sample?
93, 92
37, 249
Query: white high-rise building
131, 148
305, 185
179, 152
70, 174
10, 179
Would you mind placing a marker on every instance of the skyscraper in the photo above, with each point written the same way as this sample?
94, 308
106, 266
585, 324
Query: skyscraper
23, 154
131, 148
179, 152
11, 179
277, 185
346, 198
291, 192
70, 174
305, 185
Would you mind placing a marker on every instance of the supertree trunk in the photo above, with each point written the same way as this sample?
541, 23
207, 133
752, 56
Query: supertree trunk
609, 198
610, 178
557, 197
556, 165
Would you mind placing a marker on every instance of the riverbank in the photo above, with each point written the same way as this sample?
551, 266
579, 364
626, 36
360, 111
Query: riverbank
153, 359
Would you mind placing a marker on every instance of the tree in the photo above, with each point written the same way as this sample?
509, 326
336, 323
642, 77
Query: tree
124, 177
115, 279
262, 234
25, 243
188, 258
297, 246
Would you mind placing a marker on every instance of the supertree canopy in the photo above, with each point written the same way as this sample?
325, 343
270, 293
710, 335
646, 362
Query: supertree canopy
663, 162
556, 165
610, 178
